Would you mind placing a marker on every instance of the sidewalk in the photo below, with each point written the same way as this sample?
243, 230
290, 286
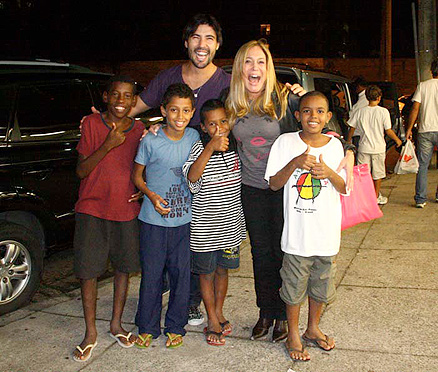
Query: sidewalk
384, 318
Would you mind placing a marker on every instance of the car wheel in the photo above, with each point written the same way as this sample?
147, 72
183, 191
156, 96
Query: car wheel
21, 263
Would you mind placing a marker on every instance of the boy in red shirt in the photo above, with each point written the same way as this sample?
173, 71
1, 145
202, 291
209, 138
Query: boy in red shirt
106, 212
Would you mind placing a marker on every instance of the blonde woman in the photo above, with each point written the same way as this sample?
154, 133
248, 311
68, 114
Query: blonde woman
260, 109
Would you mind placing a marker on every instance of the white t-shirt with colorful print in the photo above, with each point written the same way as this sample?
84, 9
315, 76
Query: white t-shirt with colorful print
312, 208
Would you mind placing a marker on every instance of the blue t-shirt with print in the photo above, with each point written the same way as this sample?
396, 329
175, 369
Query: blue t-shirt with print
164, 159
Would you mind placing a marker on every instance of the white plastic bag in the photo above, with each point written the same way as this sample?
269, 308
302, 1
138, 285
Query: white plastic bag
407, 162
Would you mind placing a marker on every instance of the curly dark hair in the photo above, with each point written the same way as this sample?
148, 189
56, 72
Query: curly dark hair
180, 90
202, 19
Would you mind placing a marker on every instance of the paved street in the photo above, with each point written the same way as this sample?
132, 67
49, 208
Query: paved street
384, 318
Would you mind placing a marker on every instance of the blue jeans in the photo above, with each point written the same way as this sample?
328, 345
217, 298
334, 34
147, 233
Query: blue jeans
163, 248
425, 145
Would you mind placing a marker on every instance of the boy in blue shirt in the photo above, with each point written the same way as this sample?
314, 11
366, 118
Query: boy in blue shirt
165, 219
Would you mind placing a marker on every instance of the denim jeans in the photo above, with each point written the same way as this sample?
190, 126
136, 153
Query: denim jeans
425, 145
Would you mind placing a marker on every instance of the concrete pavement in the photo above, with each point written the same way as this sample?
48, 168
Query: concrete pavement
384, 318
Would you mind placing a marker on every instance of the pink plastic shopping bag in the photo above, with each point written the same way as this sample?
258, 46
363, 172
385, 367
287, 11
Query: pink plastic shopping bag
361, 204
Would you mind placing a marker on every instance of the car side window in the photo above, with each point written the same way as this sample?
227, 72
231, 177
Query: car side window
287, 78
7, 96
336, 95
51, 111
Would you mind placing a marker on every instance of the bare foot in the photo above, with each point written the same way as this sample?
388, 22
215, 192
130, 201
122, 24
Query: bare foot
87, 346
173, 340
297, 353
143, 340
320, 340
227, 328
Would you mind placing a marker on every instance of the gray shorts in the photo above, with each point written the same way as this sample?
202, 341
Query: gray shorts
376, 163
308, 276
97, 240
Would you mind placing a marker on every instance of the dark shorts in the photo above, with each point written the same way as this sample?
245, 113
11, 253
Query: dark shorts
207, 262
97, 240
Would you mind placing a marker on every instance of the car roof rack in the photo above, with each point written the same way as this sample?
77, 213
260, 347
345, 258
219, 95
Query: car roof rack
35, 63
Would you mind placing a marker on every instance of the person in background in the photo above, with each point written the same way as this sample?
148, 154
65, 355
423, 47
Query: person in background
374, 122
425, 112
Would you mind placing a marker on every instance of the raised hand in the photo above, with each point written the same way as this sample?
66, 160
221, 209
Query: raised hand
114, 138
219, 142
305, 161
321, 170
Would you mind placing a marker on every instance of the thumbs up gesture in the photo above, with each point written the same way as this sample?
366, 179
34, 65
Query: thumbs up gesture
321, 170
305, 160
114, 138
219, 142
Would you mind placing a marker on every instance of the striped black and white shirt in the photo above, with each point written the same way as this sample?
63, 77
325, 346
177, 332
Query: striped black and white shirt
217, 215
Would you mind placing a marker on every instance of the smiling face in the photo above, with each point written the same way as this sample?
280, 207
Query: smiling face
119, 99
216, 120
179, 112
202, 45
314, 114
254, 72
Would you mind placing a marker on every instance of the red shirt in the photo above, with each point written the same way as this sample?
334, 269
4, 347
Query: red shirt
104, 193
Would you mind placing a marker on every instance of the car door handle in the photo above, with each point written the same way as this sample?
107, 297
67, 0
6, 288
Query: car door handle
40, 174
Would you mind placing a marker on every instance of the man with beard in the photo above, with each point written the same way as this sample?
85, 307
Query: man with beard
202, 37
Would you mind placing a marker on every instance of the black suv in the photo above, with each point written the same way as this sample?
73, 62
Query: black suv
41, 104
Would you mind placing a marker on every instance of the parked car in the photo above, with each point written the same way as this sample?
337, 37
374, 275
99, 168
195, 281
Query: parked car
41, 105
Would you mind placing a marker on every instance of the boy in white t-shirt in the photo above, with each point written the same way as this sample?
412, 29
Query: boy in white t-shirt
373, 121
312, 219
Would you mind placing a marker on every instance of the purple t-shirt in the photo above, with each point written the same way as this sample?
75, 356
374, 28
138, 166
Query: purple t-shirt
153, 93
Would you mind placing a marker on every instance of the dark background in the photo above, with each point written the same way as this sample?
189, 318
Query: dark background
115, 31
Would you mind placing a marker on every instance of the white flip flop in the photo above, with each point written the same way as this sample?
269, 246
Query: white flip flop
82, 351
119, 335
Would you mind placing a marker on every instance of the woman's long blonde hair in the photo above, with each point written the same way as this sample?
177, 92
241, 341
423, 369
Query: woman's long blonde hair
272, 101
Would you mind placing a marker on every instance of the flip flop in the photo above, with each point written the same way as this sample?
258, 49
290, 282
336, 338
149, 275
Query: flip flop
143, 340
171, 339
118, 336
290, 350
211, 342
315, 341
229, 331
82, 351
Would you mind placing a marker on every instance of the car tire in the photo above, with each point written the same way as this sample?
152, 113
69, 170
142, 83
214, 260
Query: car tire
21, 264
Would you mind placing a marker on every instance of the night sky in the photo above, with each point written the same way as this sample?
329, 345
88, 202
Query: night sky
76, 30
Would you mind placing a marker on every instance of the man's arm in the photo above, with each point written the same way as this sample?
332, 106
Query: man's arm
139, 107
412, 119
350, 134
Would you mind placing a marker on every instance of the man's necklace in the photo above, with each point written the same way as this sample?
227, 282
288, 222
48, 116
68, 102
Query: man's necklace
196, 91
